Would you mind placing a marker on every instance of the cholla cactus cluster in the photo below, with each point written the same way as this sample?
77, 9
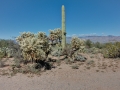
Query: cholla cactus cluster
55, 36
77, 46
77, 43
33, 46
6, 52
36, 46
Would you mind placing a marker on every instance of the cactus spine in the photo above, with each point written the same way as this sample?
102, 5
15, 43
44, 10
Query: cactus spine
63, 28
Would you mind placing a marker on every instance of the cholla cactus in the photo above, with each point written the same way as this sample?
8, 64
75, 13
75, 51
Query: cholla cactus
33, 46
55, 35
77, 46
55, 46
6, 52
42, 41
37, 46
77, 43
9, 52
2, 53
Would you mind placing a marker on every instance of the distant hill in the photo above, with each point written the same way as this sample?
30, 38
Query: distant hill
101, 39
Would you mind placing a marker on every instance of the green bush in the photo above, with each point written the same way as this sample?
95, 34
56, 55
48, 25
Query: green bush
6, 52
98, 45
88, 43
111, 50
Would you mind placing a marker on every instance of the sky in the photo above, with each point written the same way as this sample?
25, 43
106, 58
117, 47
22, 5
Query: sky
83, 17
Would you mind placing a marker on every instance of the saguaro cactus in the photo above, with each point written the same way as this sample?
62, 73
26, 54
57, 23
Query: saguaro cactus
63, 28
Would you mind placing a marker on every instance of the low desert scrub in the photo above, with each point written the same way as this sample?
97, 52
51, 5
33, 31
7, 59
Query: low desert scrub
17, 63
35, 68
111, 50
31, 69
69, 61
90, 62
91, 56
75, 66
1, 64
58, 62
4, 72
88, 67
28, 69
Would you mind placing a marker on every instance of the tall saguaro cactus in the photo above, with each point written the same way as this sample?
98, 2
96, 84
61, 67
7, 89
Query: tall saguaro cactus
63, 28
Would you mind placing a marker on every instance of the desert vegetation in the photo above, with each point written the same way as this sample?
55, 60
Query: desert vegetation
35, 53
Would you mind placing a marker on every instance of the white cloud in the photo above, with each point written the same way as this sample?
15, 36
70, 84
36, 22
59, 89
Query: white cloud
73, 35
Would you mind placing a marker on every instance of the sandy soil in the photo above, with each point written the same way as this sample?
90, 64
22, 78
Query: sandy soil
99, 76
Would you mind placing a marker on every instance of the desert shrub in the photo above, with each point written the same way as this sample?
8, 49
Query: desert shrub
4, 43
33, 68
75, 67
88, 43
98, 45
93, 50
36, 68
117, 44
1, 64
7, 43
111, 50
91, 56
5, 52
17, 53
90, 62
58, 62
17, 63
8, 48
67, 50
79, 57
2, 52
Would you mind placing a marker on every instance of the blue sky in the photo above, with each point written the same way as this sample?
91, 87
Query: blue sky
83, 17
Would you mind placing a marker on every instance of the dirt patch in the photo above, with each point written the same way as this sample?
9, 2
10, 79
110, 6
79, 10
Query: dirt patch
97, 73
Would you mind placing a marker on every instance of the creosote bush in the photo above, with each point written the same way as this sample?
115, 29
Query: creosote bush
112, 50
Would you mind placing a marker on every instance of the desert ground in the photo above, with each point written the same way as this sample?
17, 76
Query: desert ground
96, 73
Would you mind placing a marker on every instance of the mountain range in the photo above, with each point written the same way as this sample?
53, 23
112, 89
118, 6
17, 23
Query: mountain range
101, 39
